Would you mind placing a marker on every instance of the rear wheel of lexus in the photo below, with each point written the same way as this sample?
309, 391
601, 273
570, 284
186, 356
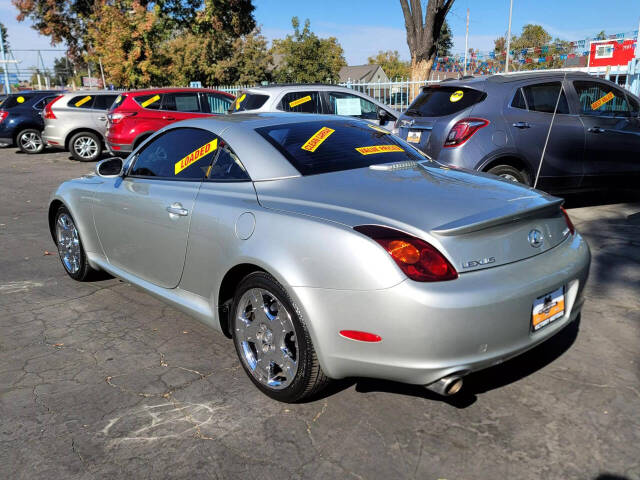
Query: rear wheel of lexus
70, 249
272, 341
30, 141
85, 146
510, 173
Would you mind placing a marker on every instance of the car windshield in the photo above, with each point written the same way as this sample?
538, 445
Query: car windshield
441, 101
334, 145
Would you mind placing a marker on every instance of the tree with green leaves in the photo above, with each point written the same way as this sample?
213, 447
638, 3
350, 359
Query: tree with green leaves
444, 44
5, 36
391, 64
601, 35
306, 58
250, 63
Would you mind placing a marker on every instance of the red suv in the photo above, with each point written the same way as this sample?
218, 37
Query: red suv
137, 114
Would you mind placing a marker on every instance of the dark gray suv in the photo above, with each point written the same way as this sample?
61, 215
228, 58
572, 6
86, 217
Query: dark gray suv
499, 124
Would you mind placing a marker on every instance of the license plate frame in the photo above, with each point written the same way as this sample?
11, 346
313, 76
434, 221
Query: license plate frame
548, 308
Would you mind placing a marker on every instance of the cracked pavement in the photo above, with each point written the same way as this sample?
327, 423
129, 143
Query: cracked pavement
100, 380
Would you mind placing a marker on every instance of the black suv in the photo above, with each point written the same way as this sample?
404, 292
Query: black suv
499, 124
21, 123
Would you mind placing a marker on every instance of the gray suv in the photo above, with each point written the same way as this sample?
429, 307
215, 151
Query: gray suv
499, 124
77, 121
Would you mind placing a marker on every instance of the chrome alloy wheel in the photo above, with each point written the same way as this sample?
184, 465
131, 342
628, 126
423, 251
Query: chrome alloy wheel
68, 243
31, 142
267, 338
508, 176
85, 147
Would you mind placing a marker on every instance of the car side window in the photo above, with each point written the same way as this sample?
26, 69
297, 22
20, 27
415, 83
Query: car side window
518, 100
542, 97
215, 103
227, 167
634, 106
178, 154
103, 102
341, 103
151, 102
82, 101
600, 99
181, 102
301, 102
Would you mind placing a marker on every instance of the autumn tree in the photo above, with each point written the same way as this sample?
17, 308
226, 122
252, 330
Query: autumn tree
251, 62
391, 64
306, 58
422, 35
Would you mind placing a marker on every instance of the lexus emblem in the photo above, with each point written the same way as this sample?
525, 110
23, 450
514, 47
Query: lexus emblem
536, 239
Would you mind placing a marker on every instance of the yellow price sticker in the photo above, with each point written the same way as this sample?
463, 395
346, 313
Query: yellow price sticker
196, 155
598, 103
20, 99
379, 149
379, 129
300, 101
149, 101
317, 138
82, 101
456, 96
240, 100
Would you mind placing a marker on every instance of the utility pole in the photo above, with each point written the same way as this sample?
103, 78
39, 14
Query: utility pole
4, 67
637, 42
506, 65
466, 45
104, 84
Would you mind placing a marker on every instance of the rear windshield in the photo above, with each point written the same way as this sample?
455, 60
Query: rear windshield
17, 99
247, 101
442, 101
334, 145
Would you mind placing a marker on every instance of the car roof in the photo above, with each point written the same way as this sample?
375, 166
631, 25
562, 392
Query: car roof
296, 87
93, 92
172, 89
502, 78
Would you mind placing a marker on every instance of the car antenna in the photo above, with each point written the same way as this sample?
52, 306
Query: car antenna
544, 149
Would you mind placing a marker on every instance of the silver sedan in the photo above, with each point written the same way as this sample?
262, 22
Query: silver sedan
328, 248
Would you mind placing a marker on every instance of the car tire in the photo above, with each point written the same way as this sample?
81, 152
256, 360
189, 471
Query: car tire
70, 248
85, 146
510, 173
30, 141
273, 342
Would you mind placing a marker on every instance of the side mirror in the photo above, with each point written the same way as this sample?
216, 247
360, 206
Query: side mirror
109, 167
383, 116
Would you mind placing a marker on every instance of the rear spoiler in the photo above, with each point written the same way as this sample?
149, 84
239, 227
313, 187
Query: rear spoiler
536, 206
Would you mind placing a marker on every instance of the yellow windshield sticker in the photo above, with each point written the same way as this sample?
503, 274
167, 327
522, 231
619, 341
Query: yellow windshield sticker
598, 103
196, 155
300, 101
149, 101
240, 100
379, 129
20, 99
119, 98
379, 149
317, 138
83, 100
457, 95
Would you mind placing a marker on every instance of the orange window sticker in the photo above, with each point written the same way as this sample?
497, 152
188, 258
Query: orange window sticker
317, 138
196, 155
379, 129
149, 101
598, 103
379, 149
240, 100
300, 101
82, 101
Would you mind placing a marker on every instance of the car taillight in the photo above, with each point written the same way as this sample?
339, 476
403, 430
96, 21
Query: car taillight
418, 260
117, 117
570, 225
48, 113
3, 114
463, 130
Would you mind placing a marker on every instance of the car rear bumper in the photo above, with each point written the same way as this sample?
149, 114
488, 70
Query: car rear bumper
433, 330
119, 148
6, 141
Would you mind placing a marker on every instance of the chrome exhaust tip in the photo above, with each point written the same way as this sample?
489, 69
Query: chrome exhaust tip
446, 386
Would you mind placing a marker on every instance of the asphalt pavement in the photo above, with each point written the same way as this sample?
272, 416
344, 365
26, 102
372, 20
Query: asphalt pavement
100, 380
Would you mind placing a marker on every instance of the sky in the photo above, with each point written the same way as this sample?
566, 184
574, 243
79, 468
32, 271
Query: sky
363, 27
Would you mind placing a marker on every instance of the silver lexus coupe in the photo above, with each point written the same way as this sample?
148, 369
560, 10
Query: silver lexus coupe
328, 248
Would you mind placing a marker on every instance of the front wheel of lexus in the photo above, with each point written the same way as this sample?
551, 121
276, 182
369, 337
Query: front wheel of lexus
70, 249
272, 341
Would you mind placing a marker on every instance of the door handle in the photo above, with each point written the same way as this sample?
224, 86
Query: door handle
522, 125
596, 130
176, 209
102, 119
166, 117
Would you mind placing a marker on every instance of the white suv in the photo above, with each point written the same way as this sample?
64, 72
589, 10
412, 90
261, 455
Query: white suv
323, 99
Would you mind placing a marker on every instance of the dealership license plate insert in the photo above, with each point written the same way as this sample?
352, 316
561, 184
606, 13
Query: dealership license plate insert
414, 136
547, 309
